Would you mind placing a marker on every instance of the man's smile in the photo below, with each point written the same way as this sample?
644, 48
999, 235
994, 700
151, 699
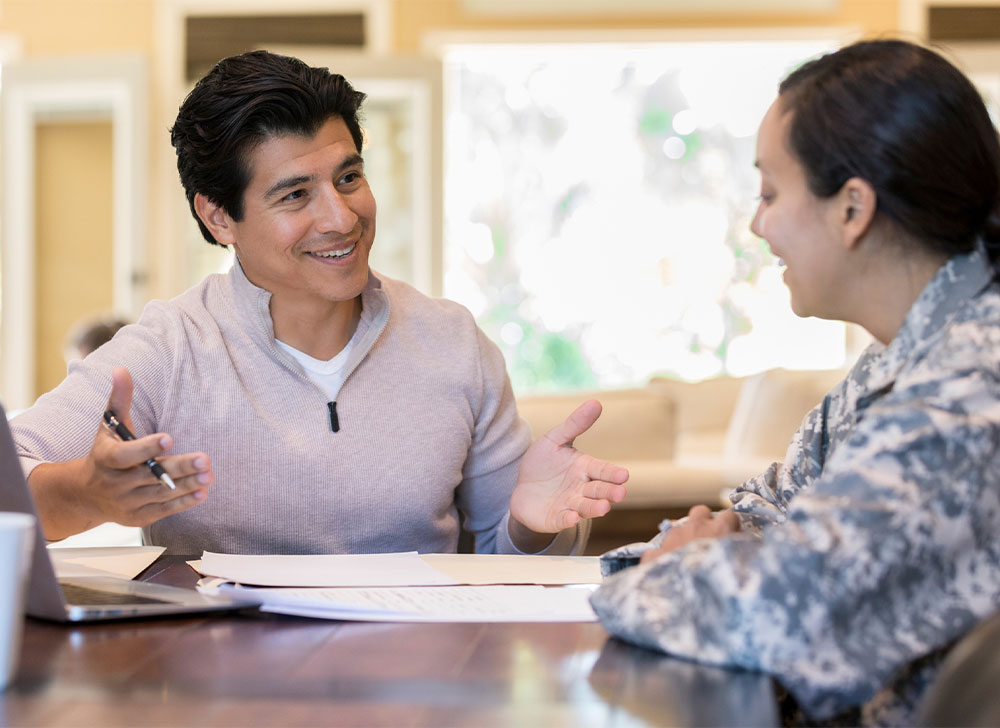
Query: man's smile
338, 253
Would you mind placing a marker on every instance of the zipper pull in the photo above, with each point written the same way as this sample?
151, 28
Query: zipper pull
334, 420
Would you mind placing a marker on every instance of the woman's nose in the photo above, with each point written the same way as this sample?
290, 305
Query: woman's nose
756, 226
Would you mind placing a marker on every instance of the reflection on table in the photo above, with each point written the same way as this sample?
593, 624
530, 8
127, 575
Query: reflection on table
271, 670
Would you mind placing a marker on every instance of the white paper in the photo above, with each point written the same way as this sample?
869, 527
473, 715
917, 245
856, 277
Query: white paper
517, 569
316, 570
125, 562
426, 604
401, 569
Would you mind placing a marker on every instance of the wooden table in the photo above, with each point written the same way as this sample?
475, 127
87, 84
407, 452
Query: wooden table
255, 669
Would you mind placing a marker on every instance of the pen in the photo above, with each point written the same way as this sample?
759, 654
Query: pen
112, 421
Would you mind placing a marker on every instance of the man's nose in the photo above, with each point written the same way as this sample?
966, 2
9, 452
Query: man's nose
334, 213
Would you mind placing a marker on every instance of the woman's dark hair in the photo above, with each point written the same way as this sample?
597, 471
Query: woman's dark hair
243, 101
908, 122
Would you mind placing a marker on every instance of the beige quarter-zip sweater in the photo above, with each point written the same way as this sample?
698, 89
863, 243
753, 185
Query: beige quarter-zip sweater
424, 426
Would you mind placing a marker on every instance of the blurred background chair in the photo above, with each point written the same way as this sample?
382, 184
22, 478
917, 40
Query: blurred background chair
966, 691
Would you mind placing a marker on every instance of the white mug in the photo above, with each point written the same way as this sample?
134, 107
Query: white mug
17, 537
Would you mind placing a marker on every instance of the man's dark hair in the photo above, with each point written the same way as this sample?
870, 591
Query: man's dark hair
243, 101
908, 122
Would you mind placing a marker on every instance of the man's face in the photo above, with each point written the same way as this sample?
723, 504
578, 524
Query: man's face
309, 219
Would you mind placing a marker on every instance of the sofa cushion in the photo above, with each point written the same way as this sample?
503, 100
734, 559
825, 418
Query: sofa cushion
680, 483
635, 423
770, 408
702, 407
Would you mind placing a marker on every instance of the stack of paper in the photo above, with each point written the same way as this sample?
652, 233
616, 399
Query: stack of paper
405, 569
408, 587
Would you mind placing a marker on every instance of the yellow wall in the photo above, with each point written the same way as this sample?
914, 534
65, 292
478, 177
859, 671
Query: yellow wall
415, 18
73, 177
73, 231
62, 28
69, 27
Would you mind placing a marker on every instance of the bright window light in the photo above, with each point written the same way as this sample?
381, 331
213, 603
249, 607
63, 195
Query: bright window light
597, 204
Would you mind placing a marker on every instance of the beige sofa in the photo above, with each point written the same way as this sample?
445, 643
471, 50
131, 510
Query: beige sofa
688, 443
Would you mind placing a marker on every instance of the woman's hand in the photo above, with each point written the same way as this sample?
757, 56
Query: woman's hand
701, 522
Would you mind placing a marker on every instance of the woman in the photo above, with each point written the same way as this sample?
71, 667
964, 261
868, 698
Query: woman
847, 570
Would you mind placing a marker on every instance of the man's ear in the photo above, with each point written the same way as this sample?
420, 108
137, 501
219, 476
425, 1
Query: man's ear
856, 203
215, 219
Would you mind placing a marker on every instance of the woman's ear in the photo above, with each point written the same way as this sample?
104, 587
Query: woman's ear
215, 219
856, 203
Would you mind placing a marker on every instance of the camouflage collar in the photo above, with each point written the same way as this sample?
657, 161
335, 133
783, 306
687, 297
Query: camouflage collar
958, 281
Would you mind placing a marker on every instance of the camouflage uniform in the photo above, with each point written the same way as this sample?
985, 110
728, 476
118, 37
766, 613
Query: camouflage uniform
873, 547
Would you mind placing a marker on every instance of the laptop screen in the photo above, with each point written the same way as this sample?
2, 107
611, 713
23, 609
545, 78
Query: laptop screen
45, 597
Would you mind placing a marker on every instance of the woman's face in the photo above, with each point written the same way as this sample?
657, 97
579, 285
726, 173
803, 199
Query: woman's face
799, 227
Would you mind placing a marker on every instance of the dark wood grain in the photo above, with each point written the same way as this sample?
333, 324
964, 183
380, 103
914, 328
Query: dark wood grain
238, 670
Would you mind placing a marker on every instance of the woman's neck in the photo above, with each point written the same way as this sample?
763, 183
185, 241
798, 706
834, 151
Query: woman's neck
891, 282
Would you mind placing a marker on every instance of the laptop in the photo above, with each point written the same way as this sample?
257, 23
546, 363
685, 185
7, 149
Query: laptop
89, 598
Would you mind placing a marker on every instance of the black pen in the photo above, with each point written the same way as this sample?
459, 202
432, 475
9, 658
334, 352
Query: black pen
119, 428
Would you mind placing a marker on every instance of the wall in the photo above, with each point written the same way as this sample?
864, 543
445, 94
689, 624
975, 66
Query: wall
62, 28
73, 182
414, 19
68, 27
73, 231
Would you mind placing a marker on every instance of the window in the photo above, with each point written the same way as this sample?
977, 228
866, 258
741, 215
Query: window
597, 204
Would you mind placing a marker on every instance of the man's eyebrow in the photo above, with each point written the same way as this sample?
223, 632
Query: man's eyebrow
288, 183
355, 160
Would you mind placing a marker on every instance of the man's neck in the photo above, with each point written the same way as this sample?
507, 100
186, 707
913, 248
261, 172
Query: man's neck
319, 335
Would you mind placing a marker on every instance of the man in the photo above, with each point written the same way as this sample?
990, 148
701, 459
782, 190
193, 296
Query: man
315, 407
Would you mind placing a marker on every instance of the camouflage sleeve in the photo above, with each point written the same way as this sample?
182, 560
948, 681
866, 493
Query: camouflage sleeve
890, 554
764, 499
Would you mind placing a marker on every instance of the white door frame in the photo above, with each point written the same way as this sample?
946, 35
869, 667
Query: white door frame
68, 89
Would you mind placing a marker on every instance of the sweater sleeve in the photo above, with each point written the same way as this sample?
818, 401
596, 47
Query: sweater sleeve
500, 439
891, 555
62, 423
